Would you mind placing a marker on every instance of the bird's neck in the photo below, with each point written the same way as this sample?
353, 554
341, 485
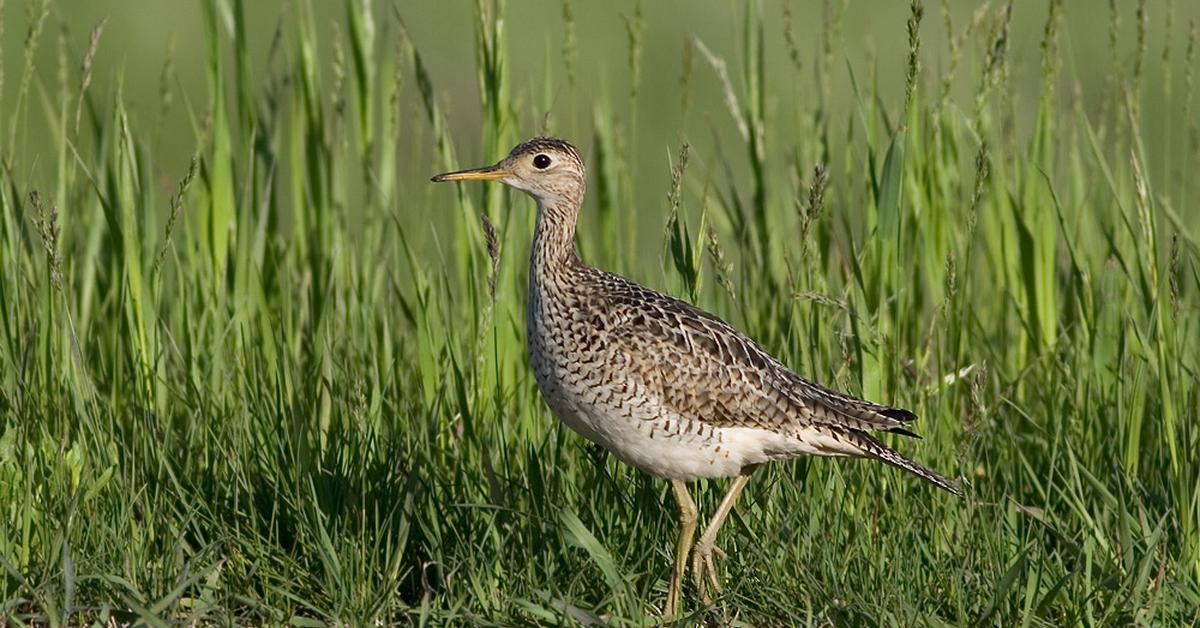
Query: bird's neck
554, 237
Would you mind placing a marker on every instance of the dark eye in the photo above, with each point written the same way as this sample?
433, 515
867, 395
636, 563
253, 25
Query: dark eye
541, 162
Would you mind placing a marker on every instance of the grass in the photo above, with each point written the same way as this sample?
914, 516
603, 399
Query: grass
288, 384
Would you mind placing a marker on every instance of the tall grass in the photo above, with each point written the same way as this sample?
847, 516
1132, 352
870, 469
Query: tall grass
288, 383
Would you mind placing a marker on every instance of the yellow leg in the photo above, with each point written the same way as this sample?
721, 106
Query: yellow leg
702, 562
687, 530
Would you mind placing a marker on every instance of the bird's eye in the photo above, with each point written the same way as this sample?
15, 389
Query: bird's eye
541, 162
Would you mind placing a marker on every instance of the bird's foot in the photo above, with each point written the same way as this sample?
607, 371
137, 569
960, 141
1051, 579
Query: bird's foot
704, 572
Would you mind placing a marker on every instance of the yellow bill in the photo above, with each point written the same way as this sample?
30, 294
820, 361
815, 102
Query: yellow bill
488, 173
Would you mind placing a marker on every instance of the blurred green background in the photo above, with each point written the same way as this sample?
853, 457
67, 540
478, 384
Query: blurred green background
138, 38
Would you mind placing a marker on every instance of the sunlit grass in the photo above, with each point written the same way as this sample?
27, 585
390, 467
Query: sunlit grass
280, 387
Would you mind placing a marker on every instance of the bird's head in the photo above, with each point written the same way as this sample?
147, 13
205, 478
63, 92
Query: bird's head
547, 168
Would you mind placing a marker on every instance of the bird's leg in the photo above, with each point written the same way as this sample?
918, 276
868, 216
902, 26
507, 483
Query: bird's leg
687, 531
702, 561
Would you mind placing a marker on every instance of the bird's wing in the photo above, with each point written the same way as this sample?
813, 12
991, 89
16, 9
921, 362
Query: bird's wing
705, 369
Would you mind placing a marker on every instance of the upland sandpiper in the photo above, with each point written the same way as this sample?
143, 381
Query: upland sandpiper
663, 385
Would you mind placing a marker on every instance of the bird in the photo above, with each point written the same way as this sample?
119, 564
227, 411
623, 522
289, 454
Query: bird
661, 384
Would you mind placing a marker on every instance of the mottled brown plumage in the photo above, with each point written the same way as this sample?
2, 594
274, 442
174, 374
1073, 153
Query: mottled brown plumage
663, 385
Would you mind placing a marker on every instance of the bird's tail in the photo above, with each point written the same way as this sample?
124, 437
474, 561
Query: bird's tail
872, 447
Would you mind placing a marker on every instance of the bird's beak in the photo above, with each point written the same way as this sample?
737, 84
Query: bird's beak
487, 173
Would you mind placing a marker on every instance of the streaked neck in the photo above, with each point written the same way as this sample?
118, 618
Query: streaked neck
554, 236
